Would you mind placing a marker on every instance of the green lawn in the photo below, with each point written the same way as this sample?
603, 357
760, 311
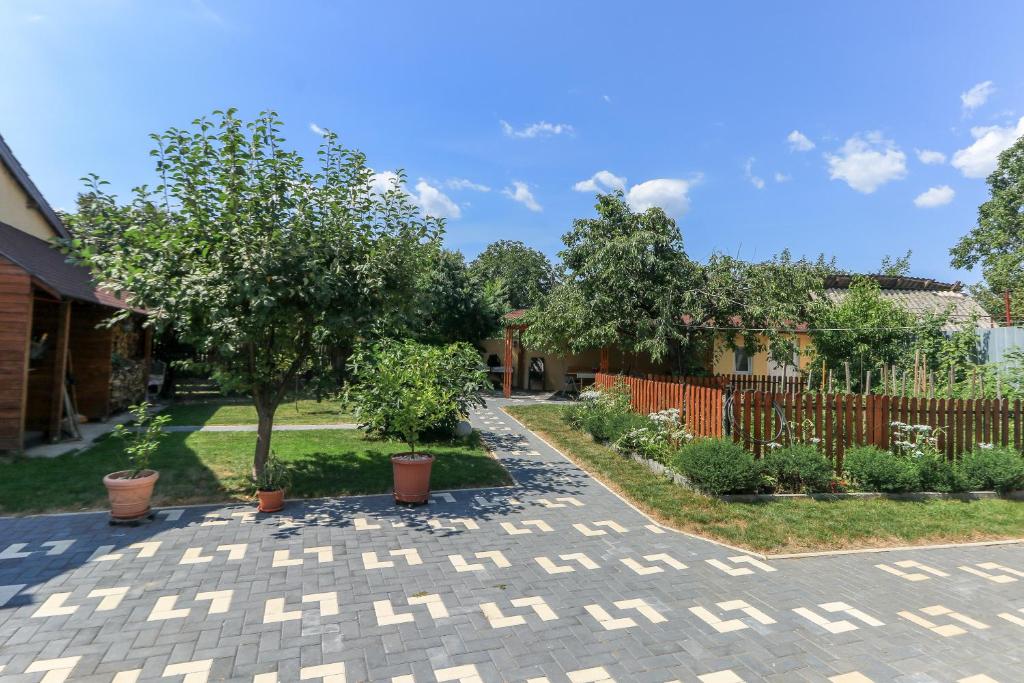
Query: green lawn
302, 411
779, 527
205, 467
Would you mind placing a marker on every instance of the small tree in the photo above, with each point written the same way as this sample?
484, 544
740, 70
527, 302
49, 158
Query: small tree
405, 389
261, 264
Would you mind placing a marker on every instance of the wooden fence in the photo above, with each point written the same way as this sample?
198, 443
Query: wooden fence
772, 383
833, 421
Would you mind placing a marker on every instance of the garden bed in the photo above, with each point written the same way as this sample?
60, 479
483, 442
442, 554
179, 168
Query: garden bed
786, 525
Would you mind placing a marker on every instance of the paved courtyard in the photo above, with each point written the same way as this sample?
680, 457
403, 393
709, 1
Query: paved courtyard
553, 579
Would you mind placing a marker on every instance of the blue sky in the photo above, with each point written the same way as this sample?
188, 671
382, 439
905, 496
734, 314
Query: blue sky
899, 108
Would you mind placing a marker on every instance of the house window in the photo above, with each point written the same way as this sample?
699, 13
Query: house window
741, 361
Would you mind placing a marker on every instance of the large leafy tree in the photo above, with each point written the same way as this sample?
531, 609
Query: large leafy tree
629, 283
260, 263
513, 275
996, 243
450, 305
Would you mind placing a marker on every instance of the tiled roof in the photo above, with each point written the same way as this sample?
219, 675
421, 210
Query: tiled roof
922, 301
50, 267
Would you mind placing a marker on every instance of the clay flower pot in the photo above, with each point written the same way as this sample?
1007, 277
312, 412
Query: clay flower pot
129, 498
412, 476
271, 501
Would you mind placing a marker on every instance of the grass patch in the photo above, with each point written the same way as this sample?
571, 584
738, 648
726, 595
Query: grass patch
301, 411
785, 526
209, 467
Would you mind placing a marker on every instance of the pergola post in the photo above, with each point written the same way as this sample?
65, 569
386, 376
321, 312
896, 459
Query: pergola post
60, 368
506, 377
604, 359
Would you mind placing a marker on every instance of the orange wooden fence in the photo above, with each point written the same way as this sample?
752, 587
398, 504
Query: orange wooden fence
833, 421
777, 385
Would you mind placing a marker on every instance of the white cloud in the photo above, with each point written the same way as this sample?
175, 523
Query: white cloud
602, 181
606, 98
781, 177
930, 156
434, 202
748, 172
798, 142
534, 130
934, 196
465, 184
35, 18
671, 194
431, 200
317, 130
520, 192
866, 163
982, 156
977, 95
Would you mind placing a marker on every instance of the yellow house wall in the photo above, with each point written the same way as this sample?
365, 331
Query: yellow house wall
723, 356
15, 209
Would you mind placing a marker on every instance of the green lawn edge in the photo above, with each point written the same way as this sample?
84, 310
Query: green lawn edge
781, 527
213, 467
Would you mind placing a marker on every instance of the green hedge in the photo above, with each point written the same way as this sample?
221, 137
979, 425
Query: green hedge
800, 468
719, 466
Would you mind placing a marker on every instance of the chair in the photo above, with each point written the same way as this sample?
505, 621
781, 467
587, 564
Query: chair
571, 385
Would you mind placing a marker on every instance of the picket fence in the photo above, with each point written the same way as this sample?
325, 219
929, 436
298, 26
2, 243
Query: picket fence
835, 422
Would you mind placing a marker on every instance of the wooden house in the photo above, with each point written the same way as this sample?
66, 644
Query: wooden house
54, 339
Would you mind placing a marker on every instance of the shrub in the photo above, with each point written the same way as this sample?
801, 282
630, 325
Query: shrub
800, 468
938, 474
658, 437
719, 466
999, 469
605, 413
403, 389
876, 470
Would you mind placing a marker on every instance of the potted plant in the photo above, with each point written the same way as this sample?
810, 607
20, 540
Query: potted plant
131, 489
271, 483
403, 389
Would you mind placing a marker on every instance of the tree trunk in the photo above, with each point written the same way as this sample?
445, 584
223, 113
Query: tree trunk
265, 410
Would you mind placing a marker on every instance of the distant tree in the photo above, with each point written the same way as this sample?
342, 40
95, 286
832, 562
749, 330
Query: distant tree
629, 284
514, 275
262, 265
997, 241
450, 305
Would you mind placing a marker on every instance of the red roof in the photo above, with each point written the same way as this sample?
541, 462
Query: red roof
52, 270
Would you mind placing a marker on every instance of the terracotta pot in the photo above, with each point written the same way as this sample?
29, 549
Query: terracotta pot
129, 498
412, 477
271, 501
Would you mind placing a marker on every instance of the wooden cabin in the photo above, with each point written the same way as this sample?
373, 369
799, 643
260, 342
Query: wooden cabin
60, 363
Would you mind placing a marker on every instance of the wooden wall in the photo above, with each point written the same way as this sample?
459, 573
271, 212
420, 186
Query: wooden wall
91, 348
15, 323
40, 377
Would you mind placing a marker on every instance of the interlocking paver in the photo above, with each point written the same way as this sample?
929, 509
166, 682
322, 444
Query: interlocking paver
553, 578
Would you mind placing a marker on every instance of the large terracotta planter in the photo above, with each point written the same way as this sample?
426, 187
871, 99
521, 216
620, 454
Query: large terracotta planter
412, 477
129, 498
271, 501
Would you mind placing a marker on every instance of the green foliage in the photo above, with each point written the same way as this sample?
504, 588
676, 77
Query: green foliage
999, 469
606, 413
996, 243
275, 475
719, 466
628, 282
405, 389
142, 438
873, 469
512, 275
658, 438
939, 474
451, 306
799, 468
260, 264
